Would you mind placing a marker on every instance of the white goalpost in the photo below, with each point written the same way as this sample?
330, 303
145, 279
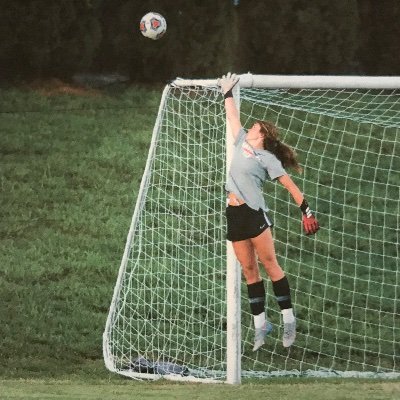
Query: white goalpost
178, 311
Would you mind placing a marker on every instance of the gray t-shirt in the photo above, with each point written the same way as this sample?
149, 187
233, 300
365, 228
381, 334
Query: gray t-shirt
248, 172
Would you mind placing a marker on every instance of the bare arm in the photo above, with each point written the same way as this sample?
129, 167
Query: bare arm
310, 223
232, 115
292, 188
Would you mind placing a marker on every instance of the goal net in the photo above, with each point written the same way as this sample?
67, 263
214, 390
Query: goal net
170, 302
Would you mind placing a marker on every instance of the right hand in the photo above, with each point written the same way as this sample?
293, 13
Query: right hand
227, 82
310, 224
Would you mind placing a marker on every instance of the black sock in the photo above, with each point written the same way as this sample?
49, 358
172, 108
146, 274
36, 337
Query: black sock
282, 293
256, 297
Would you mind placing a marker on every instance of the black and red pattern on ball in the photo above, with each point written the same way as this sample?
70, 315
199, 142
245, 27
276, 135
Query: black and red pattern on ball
143, 26
155, 23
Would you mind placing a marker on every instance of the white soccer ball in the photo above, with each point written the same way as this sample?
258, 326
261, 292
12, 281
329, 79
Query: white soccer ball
153, 25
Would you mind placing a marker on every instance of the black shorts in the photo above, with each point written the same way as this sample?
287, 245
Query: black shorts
244, 223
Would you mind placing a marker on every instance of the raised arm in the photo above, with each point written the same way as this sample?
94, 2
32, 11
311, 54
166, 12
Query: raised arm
232, 114
310, 223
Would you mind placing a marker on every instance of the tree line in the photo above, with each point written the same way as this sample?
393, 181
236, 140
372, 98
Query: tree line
205, 38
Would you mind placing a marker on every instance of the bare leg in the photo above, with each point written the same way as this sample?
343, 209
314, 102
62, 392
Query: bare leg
265, 249
245, 254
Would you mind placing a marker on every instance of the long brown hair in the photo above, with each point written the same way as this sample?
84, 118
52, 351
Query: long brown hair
284, 153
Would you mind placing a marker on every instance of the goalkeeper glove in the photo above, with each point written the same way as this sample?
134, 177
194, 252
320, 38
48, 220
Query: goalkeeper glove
227, 83
310, 223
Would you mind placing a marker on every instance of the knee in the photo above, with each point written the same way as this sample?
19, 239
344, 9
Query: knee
249, 266
269, 262
273, 269
251, 272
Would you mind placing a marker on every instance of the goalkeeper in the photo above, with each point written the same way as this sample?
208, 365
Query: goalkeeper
259, 153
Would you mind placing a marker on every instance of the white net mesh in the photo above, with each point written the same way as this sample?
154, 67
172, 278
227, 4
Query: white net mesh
170, 302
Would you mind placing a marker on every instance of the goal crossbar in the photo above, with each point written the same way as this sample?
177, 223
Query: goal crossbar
303, 82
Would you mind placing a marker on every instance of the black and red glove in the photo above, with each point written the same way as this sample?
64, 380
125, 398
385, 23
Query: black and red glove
310, 223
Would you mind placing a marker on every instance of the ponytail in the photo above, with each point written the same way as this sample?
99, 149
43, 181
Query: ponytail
284, 153
287, 156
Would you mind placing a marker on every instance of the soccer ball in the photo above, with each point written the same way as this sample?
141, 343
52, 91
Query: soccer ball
153, 26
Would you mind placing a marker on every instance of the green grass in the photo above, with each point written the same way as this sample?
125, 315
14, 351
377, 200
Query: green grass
275, 389
70, 167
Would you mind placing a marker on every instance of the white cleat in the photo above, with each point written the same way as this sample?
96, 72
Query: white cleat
289, 333
261, 333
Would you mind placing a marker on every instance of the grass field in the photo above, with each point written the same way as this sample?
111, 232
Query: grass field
71, 162
70, 166
279, 390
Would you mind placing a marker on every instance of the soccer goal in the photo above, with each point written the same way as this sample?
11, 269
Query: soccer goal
178, 310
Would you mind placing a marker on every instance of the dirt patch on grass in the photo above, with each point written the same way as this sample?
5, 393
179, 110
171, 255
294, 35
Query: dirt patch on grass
53, 87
